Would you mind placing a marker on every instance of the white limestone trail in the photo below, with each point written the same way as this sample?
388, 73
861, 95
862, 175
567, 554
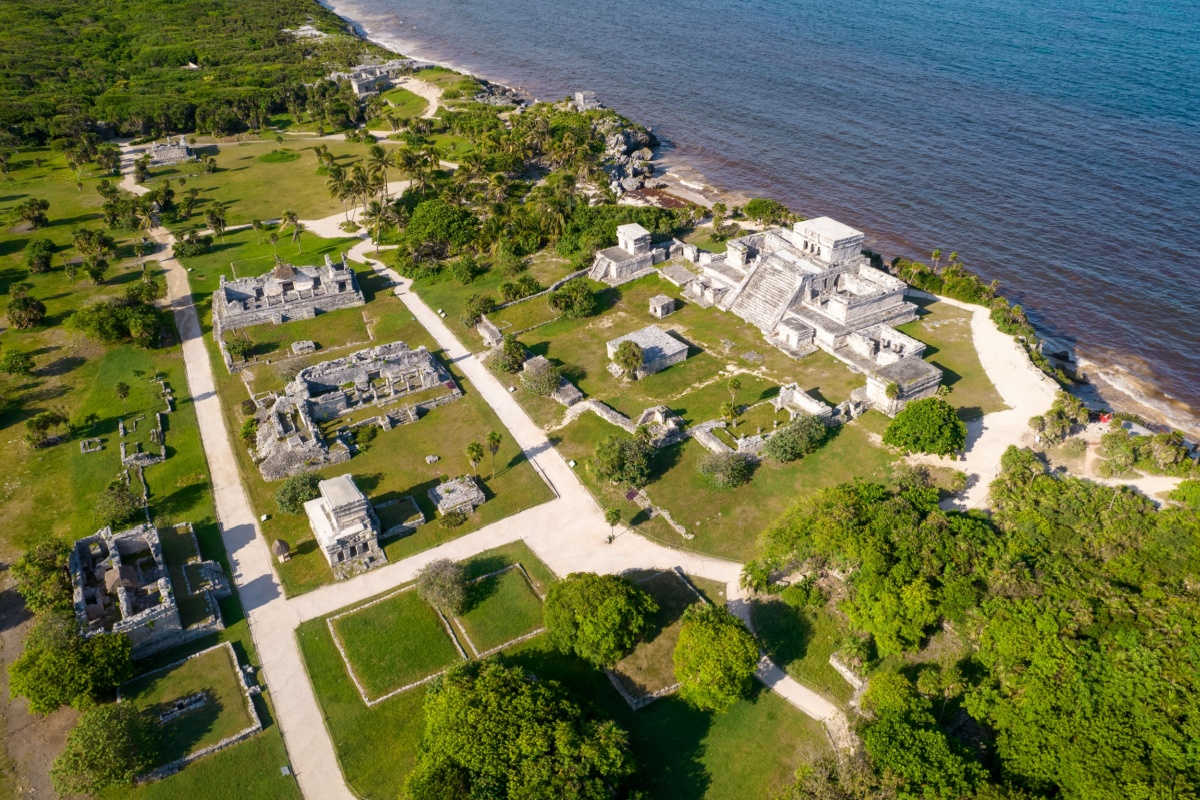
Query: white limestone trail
1025, 389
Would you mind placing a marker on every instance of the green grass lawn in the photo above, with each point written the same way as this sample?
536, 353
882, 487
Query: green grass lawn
451, 146
650, 667
500, 608
752, 750
377, 745
395, 642
946, 331
224, 715
727, 522
253, 766
405, 104
253, 184
801, 641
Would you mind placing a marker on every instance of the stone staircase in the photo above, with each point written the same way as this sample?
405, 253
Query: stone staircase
766, 295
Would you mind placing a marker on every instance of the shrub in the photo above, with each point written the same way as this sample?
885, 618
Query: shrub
476, 306
623, 459
240, 348
117, 504
629, 358
248, 407
364, 435
801, 436
766, 211
726, 470
575, 299
510, 355
600, 618
715, 658
41, 577
111, 744
38, 254
1187, 493
930, 425
192, 244
14, 362
492, 730
466, 269
26, 312
39, 427
443, 584
453, 519
249, 431
297, 490
59, 667
805, 594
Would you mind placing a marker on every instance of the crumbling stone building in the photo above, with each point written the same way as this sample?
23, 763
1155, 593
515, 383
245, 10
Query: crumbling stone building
285, 293
809, 287
120, 584
289, 438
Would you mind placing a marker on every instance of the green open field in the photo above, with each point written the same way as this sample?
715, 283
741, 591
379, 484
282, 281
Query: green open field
225, 713
394, 464
752, 750
251, 183
500, 608
395, 642
946, 331
404, 103
650, 667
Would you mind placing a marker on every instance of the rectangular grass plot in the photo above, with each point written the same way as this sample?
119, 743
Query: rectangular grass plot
395, 642
500, 608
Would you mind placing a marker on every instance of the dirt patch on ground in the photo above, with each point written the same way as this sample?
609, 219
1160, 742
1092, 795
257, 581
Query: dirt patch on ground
31, 742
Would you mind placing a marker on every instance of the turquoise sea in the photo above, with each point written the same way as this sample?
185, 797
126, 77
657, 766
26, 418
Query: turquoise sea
1054, 145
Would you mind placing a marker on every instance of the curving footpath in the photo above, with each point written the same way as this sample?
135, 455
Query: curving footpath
1025, 389
567, 533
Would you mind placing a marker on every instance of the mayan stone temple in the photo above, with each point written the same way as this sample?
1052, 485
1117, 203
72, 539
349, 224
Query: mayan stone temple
285, 293
804, 287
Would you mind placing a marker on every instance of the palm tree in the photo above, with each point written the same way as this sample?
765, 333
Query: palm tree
493, 446
273, 238
298, 228
374, 216
258, 227
215, 217
475, 455
612, 516
733, 384
379, 161
287, 219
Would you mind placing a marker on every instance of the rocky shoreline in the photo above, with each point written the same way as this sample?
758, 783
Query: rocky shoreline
655, 180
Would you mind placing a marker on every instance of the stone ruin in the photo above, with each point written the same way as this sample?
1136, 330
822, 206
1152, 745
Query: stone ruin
659, 350
289, 438
285, 293
121, 584
460, 494
633, 257
170, 152
809, 287
345, 526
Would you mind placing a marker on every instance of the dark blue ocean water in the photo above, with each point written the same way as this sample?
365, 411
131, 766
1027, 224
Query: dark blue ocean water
1054, 145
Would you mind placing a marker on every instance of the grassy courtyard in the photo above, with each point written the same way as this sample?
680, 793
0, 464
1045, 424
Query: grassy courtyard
395, 642
500, 608
750, 751
223, 714
801, 641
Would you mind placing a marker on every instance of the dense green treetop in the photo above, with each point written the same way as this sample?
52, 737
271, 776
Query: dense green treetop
598, 617
929, 425
493, 731
112, 743
715, 658
64, 63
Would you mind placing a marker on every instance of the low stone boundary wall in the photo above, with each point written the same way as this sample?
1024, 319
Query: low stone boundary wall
172, 767
450, 631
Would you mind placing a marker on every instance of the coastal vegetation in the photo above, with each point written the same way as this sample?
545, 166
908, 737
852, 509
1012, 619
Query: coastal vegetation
989, 644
